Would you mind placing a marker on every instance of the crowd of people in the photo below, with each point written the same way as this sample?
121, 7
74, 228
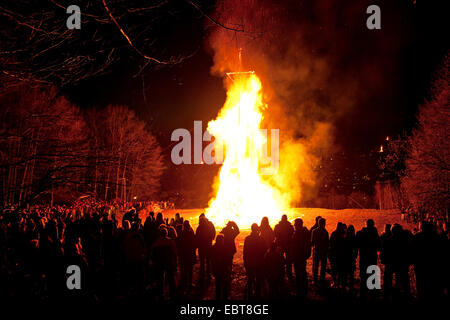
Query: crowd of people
271, 254
145, 254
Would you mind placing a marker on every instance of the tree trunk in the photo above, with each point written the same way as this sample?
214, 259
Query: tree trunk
124, 188
118, 177
107, 185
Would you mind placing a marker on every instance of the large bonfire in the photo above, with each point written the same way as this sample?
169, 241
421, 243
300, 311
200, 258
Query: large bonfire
244, 192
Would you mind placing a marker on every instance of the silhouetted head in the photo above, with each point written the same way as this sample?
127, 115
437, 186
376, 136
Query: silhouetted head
284, 218
230, 224
322, 222
264, 222
351, 230
163, 231
152, 214
177, 215
318, 218
298, 224
186, 224
340, 227
159, 216
171, 232
387, 227
201, 218
370, 223
397, 229
255, 228
220, 239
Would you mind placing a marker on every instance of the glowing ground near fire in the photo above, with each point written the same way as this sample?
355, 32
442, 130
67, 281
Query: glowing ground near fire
357, 217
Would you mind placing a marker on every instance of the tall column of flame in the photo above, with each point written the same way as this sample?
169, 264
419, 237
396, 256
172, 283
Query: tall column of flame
242, 193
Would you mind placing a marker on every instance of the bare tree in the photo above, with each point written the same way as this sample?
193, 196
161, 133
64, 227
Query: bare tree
42, 143
427, 176
48, 148
36, 45
127, 158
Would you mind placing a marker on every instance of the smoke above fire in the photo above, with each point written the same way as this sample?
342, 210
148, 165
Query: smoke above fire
290, 84
304, 53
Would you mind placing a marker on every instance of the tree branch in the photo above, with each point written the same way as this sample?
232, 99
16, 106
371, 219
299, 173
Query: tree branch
128, 38
212, 19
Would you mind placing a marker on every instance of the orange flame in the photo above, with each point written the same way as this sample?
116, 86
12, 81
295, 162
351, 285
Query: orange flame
243, 194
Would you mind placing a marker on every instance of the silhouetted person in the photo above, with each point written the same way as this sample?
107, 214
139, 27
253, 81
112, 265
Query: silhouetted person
74, 255
187, 254
204, 235
337, 255
109, 251
332, 251
230, 232
274, 270
398, 249
320, 243
266, 232
283, 235
254, 251
133, 252
164, 257
368, 243
178, 219
150, 231
220, 255
351, 253
387, 233
159, 219
429, 262
387, 259
52, 257
315, 226
445, 254
301, 251
128, 216
172, 232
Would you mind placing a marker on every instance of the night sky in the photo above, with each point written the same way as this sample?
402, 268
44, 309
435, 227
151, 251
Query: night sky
172, 97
